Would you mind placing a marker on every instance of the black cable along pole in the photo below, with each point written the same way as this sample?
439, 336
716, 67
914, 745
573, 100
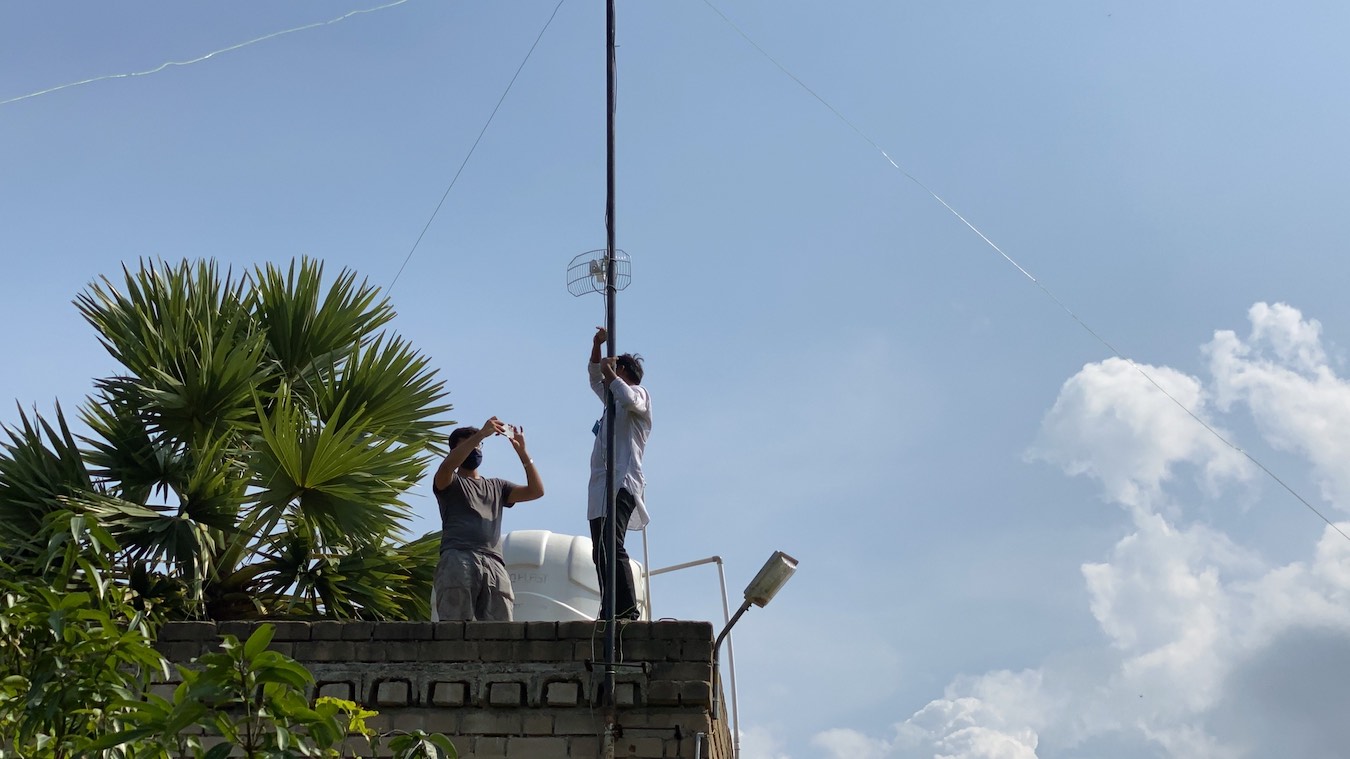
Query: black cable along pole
611, 511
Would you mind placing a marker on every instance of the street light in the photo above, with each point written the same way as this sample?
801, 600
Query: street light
771, 578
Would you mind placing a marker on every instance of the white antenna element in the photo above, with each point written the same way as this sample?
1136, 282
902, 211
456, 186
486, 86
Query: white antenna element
586, 273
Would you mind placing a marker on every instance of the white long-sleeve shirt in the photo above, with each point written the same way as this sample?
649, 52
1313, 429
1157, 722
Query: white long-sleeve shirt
633, 411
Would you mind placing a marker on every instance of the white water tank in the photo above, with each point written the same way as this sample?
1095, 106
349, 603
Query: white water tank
554, 579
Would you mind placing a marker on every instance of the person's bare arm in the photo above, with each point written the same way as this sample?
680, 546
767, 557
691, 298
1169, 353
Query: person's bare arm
600, 337
593, 369
445, 474
534, 487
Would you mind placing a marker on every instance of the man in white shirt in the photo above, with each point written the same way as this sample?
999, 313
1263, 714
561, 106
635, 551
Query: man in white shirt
633, 423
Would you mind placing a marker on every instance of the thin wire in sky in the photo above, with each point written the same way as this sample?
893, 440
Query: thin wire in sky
474, 147
1027, 274
199, 59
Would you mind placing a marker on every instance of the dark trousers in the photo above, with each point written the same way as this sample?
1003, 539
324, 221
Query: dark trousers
624, 600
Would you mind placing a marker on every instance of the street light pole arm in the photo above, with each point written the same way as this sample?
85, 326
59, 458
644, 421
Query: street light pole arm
716, 655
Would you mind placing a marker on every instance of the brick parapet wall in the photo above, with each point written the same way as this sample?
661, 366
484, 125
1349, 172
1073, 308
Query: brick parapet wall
517, 690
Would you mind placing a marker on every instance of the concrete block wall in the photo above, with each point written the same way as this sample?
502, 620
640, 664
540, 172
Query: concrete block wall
505, 690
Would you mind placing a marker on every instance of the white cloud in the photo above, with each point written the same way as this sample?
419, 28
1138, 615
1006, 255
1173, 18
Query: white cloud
840, 743
759, 742
1296, 399
1111, 423
1211, 650
1188, 741
1165, 601
996, 720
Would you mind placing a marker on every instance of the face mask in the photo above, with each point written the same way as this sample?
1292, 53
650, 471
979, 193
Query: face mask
473, 461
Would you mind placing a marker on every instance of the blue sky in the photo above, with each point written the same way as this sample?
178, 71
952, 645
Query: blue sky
1011, 543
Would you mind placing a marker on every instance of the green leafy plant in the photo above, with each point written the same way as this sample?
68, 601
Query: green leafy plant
74, 647
77, 651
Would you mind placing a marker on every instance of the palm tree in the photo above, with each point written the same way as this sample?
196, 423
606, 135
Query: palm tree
252, 454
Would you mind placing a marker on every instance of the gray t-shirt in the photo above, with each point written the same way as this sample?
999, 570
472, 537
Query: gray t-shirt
471, 513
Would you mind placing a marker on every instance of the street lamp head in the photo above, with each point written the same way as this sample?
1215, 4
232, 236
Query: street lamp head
772, 576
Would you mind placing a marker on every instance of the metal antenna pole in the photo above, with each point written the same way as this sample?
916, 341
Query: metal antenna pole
611, 510
585, 274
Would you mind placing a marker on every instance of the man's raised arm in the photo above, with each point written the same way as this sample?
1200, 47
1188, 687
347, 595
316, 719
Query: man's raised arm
445, 473
593, 368
632, 398
534, 487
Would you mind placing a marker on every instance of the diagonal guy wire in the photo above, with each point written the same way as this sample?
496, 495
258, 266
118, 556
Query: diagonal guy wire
199, 59
1028, 275
474, 147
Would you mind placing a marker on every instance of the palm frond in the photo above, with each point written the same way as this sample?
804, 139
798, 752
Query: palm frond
389, 386
193, 352
339, 482
418, 558
216, 484
39, 466
146, 325
123, 455
157, 539
304, 324
372, 582
375, 581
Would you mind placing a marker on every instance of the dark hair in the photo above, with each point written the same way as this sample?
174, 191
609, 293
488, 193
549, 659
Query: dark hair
458, 435
631, 363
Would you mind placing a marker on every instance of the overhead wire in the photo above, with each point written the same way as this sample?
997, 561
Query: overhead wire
201, 58
304, 27
1045, 290
474, 147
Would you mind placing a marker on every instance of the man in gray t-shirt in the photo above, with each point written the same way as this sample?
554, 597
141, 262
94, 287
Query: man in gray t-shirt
471, 581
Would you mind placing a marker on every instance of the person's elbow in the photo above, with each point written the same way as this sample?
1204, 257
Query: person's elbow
530, 493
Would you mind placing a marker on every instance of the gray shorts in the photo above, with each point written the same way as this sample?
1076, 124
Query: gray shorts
471, 586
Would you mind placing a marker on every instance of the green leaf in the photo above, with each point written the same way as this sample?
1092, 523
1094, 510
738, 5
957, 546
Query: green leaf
73, 601
184, 713
258, 641
283, 738
443, 743
226, 728
119, 738
286, 672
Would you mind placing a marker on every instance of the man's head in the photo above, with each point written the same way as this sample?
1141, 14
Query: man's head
629, 368
460, 435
